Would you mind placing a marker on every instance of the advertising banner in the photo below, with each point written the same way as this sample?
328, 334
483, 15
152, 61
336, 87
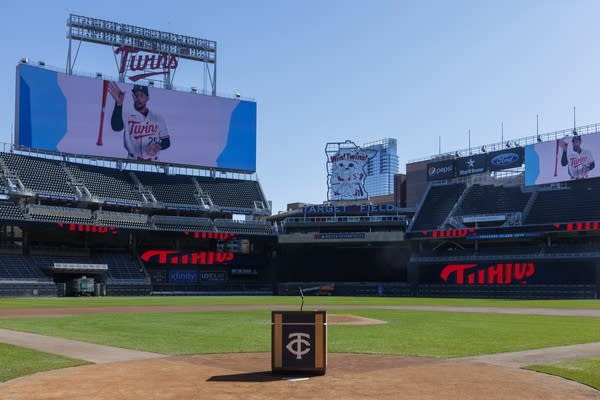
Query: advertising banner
503, 159
183, 276
515, 272
562, 160
475, 164
95, 117
441, 170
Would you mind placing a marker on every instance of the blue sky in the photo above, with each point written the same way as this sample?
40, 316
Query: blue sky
327, 71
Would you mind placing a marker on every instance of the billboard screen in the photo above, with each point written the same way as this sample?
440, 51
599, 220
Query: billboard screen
441, 170
562, 160
95, 117
503, 159
475, 164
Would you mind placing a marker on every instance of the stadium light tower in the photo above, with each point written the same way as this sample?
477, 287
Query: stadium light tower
158, 43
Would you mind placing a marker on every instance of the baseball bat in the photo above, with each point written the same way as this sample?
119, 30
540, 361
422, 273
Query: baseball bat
556, 159
104, 93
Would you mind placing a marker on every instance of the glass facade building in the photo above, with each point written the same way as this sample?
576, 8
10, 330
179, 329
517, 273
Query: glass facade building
382, 168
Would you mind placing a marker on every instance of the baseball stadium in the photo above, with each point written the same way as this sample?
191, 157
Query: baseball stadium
140, 259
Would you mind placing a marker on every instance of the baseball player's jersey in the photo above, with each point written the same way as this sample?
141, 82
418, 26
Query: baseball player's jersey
579, 163
142, 131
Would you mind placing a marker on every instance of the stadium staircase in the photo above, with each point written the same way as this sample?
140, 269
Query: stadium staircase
169, 189
145, 193
45, 177
78, 186
107, 184
202, 198
437, 206
11, 179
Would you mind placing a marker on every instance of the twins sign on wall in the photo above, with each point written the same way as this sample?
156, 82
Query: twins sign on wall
566, 159
86, 116
347, 173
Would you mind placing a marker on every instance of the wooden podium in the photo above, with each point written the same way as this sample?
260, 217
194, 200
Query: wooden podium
299, 342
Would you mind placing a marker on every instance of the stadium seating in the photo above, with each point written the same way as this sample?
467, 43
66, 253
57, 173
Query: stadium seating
244, 227
43, 176
508, 291
123, 268
490, 199
121, 219
106, 183
222, 288
437, 205
75, 181
232, 193
59, 214
10, 211
27, 288
44, 262
577, 202
18, 268
169, 189
171, 222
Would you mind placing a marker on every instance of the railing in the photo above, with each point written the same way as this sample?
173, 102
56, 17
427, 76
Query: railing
154, 83
347, 219
533, 255
128, 165
542, 137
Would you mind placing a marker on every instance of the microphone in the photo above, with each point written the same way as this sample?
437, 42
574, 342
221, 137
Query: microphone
302, 296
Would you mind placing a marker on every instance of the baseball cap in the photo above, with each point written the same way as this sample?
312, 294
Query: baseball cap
140, 87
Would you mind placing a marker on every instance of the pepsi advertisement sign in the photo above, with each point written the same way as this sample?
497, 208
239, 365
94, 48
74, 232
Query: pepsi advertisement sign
503, 159
441, 170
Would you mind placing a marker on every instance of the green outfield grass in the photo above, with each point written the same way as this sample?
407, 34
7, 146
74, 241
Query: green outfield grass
431, 334
583, 371
54, 302
16, 362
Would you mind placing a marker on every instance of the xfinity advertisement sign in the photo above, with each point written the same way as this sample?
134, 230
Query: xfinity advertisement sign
441, 170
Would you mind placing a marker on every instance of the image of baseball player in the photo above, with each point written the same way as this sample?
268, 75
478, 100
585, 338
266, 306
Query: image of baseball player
579, 161
144, 132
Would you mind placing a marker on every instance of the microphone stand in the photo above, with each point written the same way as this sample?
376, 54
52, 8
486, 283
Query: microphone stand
301, 295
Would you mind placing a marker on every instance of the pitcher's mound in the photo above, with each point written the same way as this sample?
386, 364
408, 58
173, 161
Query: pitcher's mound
247, 376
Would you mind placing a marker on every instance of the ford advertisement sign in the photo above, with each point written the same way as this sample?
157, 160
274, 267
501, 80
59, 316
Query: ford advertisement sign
503, 159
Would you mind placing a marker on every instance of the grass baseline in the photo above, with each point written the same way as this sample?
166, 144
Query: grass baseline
586, 371
70, 302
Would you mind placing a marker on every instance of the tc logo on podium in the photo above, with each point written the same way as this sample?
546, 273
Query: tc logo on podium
299, 345
299, 342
